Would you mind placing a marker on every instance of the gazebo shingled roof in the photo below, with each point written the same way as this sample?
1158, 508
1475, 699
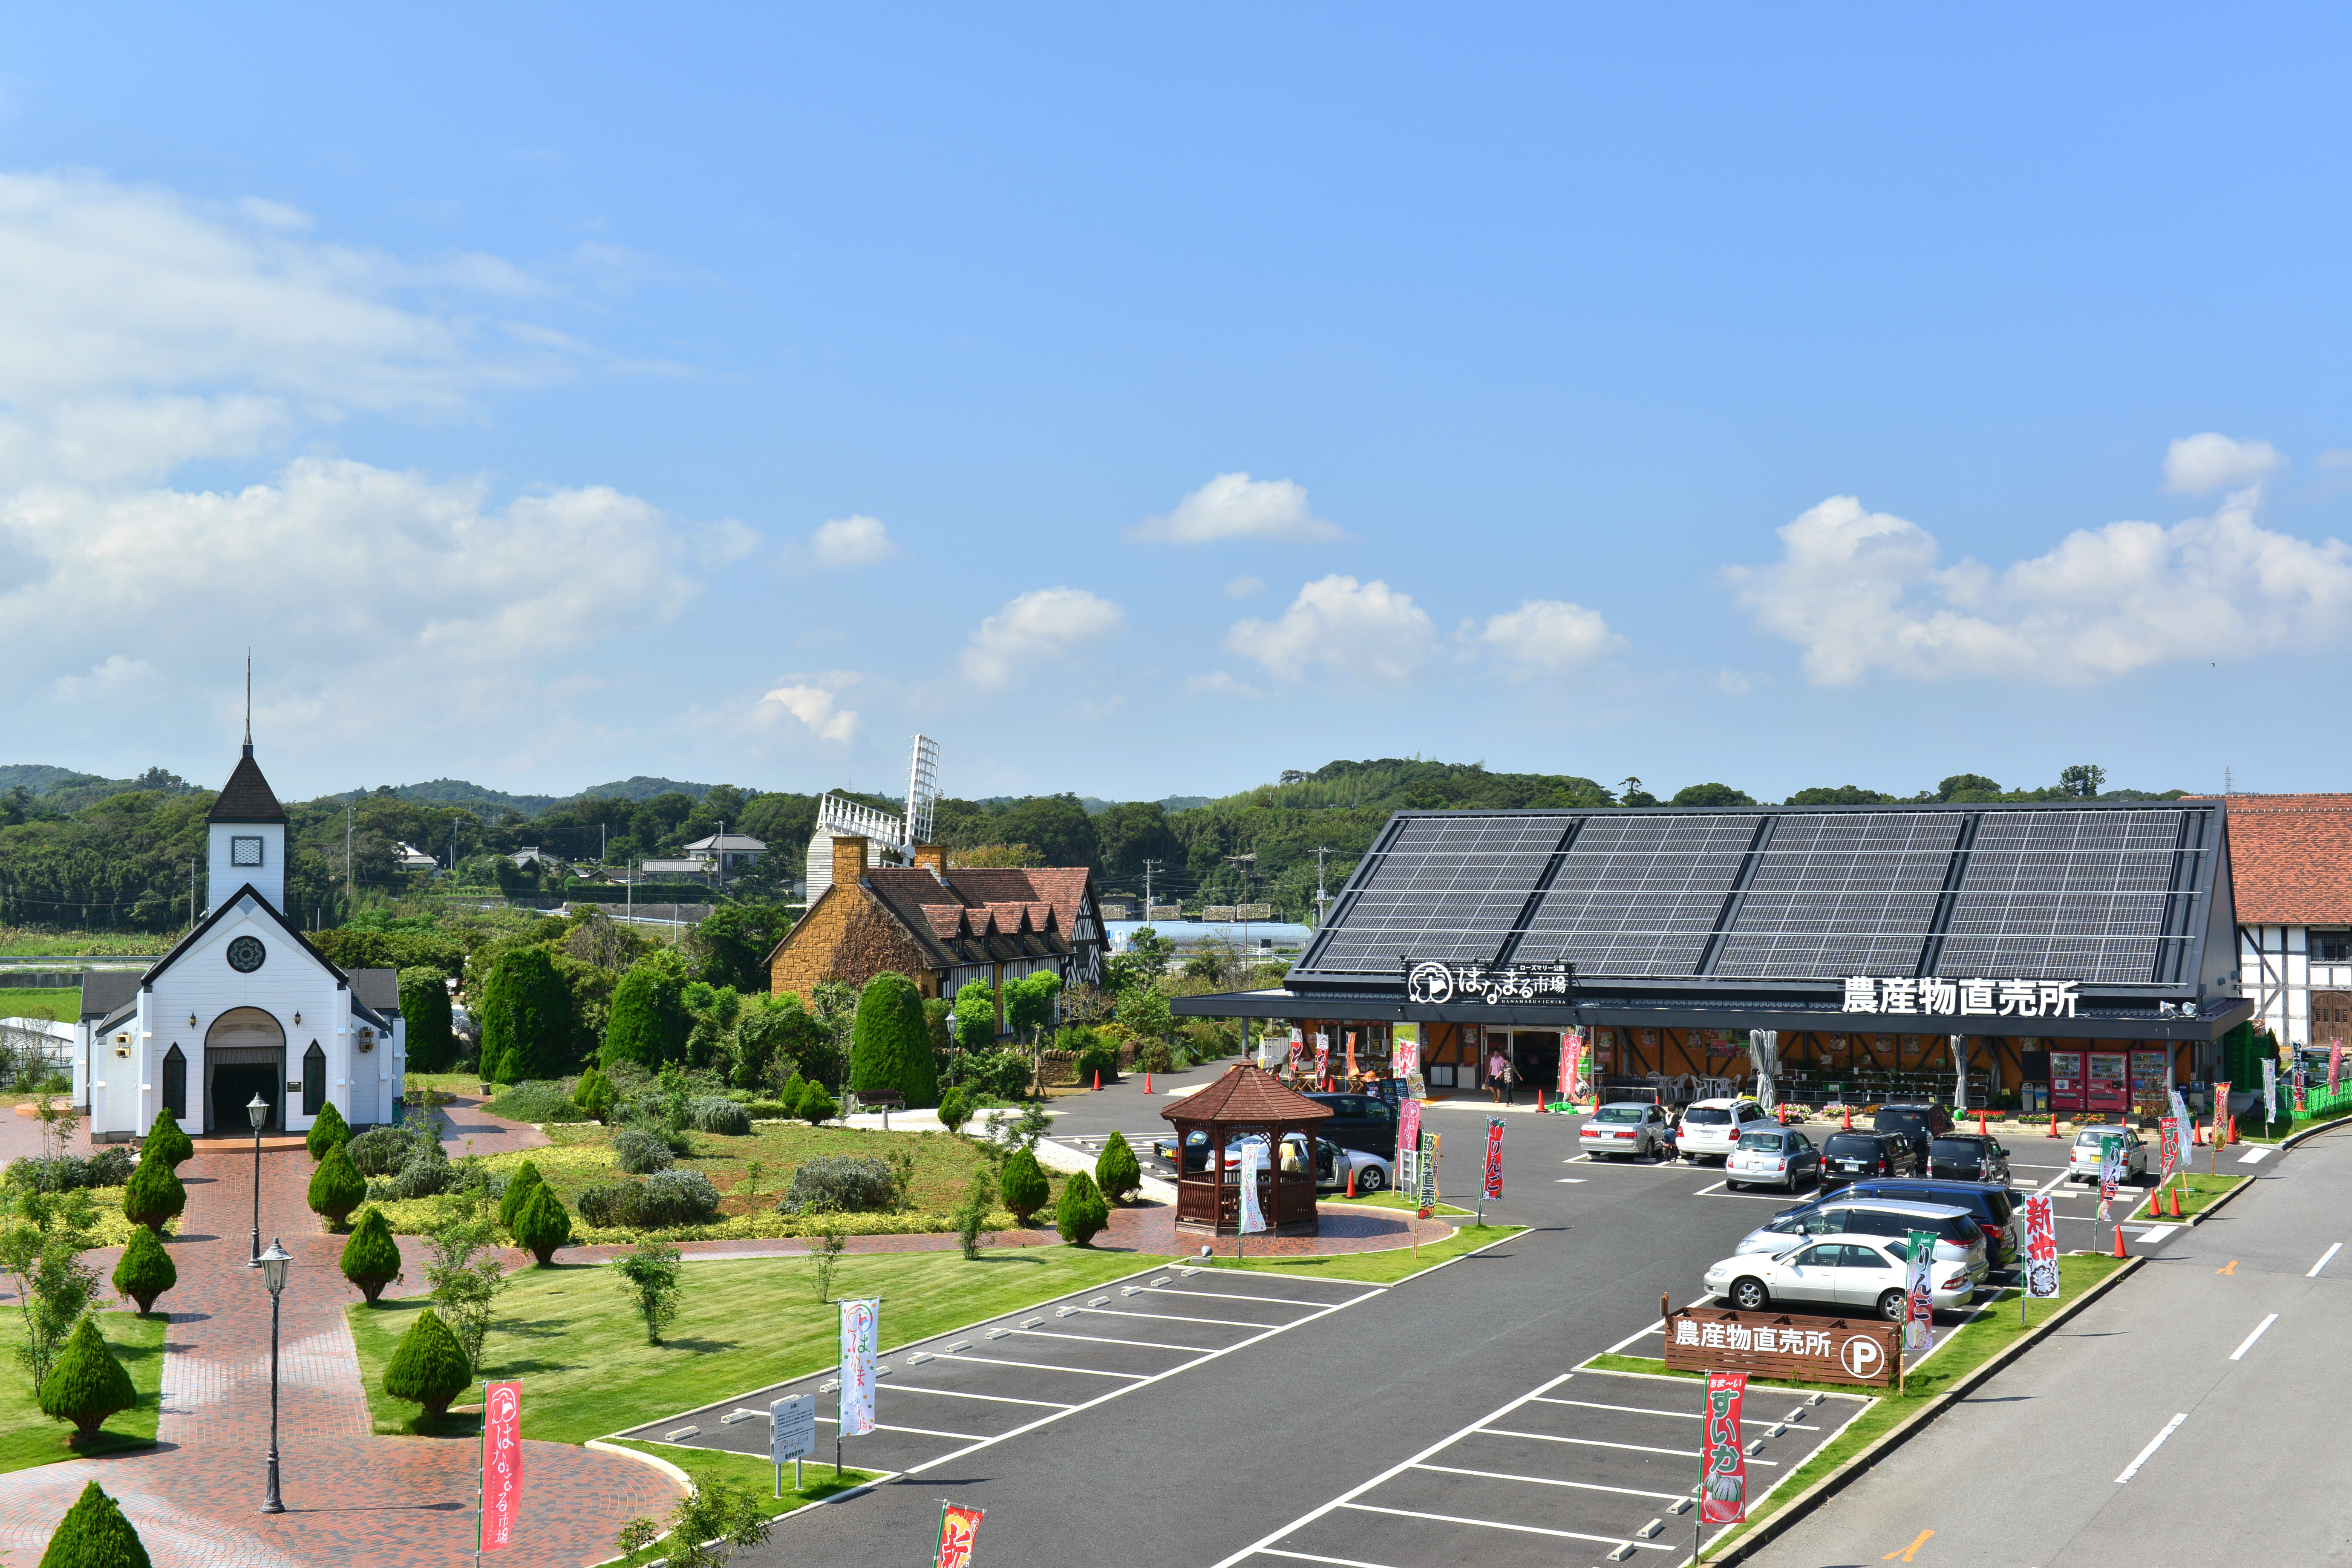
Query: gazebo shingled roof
1245, 1094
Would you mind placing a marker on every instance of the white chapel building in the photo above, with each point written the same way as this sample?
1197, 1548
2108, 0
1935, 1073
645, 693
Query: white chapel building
242, 1006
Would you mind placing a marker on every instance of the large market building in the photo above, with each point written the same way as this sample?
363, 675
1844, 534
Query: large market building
2082, 956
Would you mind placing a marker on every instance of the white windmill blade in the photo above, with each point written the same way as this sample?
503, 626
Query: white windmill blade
922, 790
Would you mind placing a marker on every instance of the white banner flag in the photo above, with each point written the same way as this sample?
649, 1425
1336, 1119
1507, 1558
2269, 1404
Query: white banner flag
861, 1323
2270, 1089
1252, 1161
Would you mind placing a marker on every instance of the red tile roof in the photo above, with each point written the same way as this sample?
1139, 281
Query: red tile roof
2291, 858
1245, 1094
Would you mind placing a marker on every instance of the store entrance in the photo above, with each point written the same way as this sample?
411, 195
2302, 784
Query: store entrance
1535, 1063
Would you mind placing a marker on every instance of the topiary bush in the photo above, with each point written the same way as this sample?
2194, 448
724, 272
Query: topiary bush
851, 1183
427, 1172
891, 1044
955, 1109
382, 1151
539, 1101
715, 1115
664, 1200
429, 1367
544, 1225
87, 1384
336, 1189
1098, 1057
371, 1257
1081, 1213
145, 1270
166, 1143
816, 1107
1026, 1189
595, 1095
95, 1534
520, 1186
1116, 1171
640, 1152
998, 1075
327, 1131
153, 1196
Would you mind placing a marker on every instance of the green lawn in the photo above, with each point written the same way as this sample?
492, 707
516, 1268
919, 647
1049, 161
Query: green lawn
569, 1334
707, 1465
2202, 1192
1376, 1267
1386, 1201
62, 1004
25, 941
28, 1438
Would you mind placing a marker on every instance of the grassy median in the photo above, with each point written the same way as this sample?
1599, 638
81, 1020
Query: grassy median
707, 1465
28, 1438
1386, 1267
2198, 1192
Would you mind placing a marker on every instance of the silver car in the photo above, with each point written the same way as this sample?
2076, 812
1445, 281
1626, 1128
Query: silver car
1958, 1239
1629, 1127
2082, 1163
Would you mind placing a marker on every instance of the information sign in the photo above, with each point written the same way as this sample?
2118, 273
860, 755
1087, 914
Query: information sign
792, 1427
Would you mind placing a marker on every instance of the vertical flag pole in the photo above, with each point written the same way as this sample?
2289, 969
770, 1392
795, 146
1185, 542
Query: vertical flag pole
480, 1468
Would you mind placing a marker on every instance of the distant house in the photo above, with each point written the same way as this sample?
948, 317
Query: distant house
408, 857
534, 856
725, 851
652, 869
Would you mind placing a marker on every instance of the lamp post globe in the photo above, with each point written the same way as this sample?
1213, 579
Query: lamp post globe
257, 1112
273, 1265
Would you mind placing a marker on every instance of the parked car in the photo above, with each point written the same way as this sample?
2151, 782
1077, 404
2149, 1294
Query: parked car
1363, 1122
1643, 1131
1958, 1237
1332, 1163
1850, 1156
1996, 1208
1919, 1123
1711, 1128
2083, 1159
1772, 1156
1859, 1273
1968, 1157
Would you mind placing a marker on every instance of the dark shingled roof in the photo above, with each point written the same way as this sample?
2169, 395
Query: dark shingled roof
1246, 1094
377, 988
247, 797
104, 990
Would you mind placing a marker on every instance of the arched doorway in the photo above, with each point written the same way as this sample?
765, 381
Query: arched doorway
245, 1054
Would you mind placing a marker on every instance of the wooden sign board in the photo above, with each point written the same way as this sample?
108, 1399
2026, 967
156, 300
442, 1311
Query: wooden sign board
1777, 1345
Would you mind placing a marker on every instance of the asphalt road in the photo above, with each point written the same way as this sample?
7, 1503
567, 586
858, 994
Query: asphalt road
2189, 1415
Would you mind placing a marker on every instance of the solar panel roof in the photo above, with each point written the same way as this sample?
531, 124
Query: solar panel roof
2074, 894
1445, 888
1639, 895
1850, 893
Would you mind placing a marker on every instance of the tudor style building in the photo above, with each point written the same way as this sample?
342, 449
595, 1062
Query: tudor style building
243, 1006
943, 929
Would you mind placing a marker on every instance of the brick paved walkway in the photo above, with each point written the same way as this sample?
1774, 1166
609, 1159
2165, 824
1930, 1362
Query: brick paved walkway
353, 1501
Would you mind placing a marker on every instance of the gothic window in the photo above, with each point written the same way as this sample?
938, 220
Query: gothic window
314, 1081
175, 1083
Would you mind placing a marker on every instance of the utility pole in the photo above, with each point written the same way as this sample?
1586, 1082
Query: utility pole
1147, 867
1322, 898
348, 881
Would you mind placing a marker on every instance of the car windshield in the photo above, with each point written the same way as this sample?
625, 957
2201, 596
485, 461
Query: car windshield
2090, 1140
1707, 1116
1853, 1145
1620, 1113
1899, 1120
1954, 1149
1766, 1141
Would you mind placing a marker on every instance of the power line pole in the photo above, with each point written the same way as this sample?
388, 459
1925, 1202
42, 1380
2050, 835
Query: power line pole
1322, 898
1147, 867
349, 882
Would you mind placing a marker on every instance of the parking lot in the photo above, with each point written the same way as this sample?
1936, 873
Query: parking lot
941, 1398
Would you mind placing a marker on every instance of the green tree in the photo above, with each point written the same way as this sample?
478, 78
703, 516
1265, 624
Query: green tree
145, 1270
1024, 1184
371, 1257
544, 1225
1843, 795
2083, 781
1081, 1212
971, 1215
815, 1107
41, 1250
1055, 826
154, 1195
1711, 794
892, 1046
428, 1366
730, 945
520, 1187
975, 1015
87, 1384
1145, 960
653, 1280
955, 1109
166, 1143
425, 1005
595, 1094
772, 1030
526, 1017
1132, 832
1116, 1171
648, 1018
1144, 1013
327, 1131
336, 1188
711, 1520
1967, 788
94, 1535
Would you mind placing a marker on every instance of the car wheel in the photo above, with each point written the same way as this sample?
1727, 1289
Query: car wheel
1749, 1295
1370, 1179
1731, 1186
1890, 1305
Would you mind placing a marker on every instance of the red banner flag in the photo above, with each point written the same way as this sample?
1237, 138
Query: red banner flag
501, 1463
958, 1528
1494, 1159
1723, 1464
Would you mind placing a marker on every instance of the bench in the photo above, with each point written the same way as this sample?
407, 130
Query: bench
886, 1100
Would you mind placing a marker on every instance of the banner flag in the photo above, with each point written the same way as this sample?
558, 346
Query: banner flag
2335, 1067
501, 1463
2180, 1114
1425, 1184
1723, 1464
2221, 1127
2041, 1247
1919, 1282
1253, 1216
1494, 1159
1404, 1057
861, 1323
1322, 1057
1409, 1144
2168, 1145
958, 1526
2270, 1089
1568, 1051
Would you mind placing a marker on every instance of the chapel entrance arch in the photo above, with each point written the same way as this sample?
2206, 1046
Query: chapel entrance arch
245, 1054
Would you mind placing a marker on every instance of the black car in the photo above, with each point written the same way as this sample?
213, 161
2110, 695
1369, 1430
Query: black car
1363, 1122
1855, 1156
1968, 1157
1917, 1124
1994, 1205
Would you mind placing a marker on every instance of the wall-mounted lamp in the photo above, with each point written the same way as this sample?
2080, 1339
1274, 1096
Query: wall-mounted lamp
298, 1020
191, 1020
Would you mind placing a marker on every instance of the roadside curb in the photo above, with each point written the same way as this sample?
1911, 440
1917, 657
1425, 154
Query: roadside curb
1829, 1486
2292, 1139
597, 1445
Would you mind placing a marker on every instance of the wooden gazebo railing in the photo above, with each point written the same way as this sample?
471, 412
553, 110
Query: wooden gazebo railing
1248, 1100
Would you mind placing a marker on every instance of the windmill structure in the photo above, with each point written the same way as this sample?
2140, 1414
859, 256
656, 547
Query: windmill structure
889, 840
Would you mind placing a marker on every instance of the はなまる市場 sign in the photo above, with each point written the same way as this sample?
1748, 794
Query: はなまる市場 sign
1430, 983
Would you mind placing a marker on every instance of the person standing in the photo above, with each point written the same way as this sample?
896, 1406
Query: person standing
1498, 1074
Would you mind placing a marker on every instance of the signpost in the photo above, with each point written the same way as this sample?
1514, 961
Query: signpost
1782, 1346
792, 1434
502, 1485
861, 1323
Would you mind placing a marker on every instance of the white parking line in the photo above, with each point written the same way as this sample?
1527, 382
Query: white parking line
1105, 1339
2255, 1156
919, 1431
1034, 1366
1232, 1296
1311, 1557
991, 1398
1631, 1410
1597, 1442
1703, 1190
1657, 1328
2249, 1340
1548, 1482
2323, 1260
1175, 1318
2153, 1444
1569, 1181
1496, 1524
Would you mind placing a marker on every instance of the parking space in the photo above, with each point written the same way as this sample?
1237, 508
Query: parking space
940, 1398
1591, 1467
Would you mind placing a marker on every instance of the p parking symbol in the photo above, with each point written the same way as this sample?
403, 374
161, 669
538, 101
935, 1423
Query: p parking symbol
1862, 1356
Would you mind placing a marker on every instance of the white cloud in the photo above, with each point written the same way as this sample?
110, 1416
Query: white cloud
839, 543
1861, 593
1235, 506
1243, 587
1362, 632
2335, 458
1043, 623
2195, 465
1737, 682
816, 707
1219, 683
119, 676
1548, 634
726, 539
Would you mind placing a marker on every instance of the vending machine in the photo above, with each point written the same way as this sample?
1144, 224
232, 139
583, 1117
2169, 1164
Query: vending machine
2151, 1082
2107, 1082
2065, 1081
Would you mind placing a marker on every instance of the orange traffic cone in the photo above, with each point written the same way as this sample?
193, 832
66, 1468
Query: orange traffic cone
1980, 1122
2233, 1130
2176, 1202
2119, 1242
1351, 1178
1849, 1119
1098, 1079
2054, 1125
1147, 1083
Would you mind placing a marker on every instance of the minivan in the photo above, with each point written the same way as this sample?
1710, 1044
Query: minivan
1958, 1237
1994, 1206
1855, 1156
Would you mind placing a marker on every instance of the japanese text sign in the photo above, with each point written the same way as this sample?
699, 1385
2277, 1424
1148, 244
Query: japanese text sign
1494, 1159
1430, 983
861, 1325
1408, 1141
2041, 1247
1918, 1285
2168, 1147
1426, 1187
501, 1463
1776, 1345
792, 1427
958, 1527
1723, 1478
1963, 998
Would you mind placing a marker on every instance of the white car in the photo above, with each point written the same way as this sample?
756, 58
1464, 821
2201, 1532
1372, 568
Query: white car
1332, 1163
1631, 1127
1711, 1128
2083, 1161
1860, 1274
1775, 1157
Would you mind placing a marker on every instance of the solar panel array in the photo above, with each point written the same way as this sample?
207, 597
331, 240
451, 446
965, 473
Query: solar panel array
1639, 895
2066, 895
1841, 893
1448, 888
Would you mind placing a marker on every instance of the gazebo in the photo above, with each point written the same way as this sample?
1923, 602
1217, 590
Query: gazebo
1246, 1100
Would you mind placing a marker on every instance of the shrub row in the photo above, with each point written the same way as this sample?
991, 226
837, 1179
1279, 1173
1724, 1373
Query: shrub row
661, 1200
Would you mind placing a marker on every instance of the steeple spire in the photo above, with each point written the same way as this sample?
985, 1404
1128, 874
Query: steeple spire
248, 702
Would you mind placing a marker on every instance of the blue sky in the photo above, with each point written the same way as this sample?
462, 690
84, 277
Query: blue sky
1148, 403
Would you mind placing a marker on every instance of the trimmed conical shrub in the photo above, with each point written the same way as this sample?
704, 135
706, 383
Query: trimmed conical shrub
595, 1094
1116, 1171
371, 1257
94, 1535
955, 1107
329, 1130
153, 1196
87, 1384
1024, 1184
166, 1143
544, 1225
429, 1368
891, 1046
1081, 1211
520, 1186
146, 1270
336, 1188
816, 1106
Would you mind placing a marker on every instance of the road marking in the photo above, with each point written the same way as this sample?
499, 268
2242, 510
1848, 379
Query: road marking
2230, 1267
1036, 1366
1240, 1296
1171, 1317
1498, 1524
2156, 1237
1105, 1339
1657, 1328
1906, 1553
991, 1398
1576, 1159
1597, 1442
1311, 1557
1703, 1190
2153, 1444
1547, 1481
1569, 1181
2249, 1344
919, 1431
1631, 1410
2255, 1156
2323, 1260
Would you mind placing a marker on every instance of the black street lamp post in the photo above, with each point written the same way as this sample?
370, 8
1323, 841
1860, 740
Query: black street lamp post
273, 1264
258, 1111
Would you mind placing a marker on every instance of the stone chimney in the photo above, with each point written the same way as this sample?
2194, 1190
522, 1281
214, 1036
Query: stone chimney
932, 857
848, 859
